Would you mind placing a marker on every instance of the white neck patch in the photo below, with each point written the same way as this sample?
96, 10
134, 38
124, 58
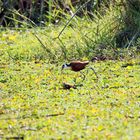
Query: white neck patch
65, 66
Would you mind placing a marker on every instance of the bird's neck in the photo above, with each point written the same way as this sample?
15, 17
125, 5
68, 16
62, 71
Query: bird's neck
68, 65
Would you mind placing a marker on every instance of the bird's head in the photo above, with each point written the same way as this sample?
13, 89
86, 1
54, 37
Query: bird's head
65, 66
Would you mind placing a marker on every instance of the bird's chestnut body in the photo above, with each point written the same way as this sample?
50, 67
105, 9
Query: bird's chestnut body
76, 65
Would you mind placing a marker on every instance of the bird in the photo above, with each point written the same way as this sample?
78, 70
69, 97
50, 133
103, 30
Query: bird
77, 66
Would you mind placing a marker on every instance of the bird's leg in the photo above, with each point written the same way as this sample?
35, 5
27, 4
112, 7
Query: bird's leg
94, 72
83, 75
74, 80
87, 71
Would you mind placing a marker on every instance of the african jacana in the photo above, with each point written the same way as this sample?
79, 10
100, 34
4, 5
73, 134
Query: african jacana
77, 66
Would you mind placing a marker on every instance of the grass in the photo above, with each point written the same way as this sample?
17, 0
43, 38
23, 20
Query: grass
33, 102
35, 105
81, 39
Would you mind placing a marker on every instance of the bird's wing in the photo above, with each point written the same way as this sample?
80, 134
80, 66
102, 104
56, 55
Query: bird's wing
79, 62
85, 62
78, 65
